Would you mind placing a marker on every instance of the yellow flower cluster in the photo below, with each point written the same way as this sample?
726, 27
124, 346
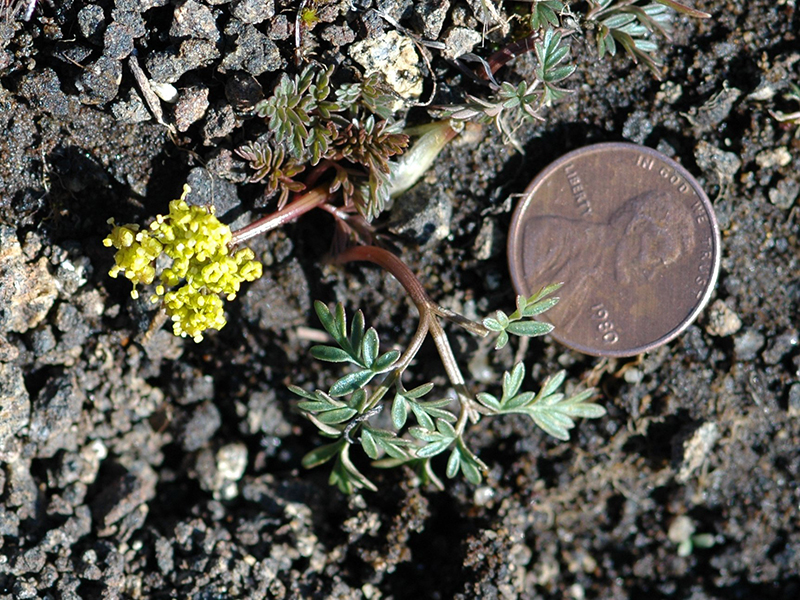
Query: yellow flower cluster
200, 268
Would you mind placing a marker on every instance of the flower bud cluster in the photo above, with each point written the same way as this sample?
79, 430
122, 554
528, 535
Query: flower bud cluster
199, 268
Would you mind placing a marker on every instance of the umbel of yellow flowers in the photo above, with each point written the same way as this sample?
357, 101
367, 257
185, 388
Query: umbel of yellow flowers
198, 269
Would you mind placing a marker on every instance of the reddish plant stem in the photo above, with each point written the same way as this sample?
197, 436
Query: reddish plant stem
428, 315
297, 207
512, 50
395, 266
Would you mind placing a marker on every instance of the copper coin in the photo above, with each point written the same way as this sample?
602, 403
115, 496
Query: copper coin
633, 238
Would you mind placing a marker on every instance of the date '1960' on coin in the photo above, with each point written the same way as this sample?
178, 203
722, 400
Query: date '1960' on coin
632, 236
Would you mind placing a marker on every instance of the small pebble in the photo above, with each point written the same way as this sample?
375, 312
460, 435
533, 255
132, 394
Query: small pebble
459, 41
794, 400
748, 344
775, 157
779, 347
784, 193
722, 321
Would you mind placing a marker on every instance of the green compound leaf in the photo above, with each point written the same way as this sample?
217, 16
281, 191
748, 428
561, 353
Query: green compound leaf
379, 441
399, 411
357, 329
551, 53
336, 415
346, 476
331, 354
405, 400
385, 361
548, 409
351, 382
437, 441
529, 328
462, 459
360, 348
323, 454
326, 409
634, 25
369, 347
544, 13
521, 322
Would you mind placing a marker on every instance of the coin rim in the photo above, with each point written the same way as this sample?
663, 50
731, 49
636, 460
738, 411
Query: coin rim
517, 220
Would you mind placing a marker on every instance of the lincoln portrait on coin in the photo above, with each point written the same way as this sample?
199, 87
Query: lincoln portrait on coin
636, 245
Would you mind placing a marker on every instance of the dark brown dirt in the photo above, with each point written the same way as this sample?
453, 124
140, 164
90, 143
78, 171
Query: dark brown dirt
111, 483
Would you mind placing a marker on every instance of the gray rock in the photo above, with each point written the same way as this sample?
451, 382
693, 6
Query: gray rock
91, 22
714, 111
253, 12
191, 106
219, 122
207, 190
722, 321
278, 300
169, 65
338, 35
42, 341
637, 126
488, 242
218, 472
129, 15
773, 158
396, 58
194, 20
43, 90
794, 400
131, 110
696, 448
429, 16
202, 422
780, 346
254, 53
748, 344
56, 408
100, 80
715, 160
190, 385
243, 91
118, 41
123, 493
8, 352
460, 40
785, 193
15, 404
27, 289
423, 216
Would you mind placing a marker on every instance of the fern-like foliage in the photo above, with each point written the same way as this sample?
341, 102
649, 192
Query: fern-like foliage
545, 13
311, 121
635, 25
551, 411
511, 105
273, 167
369, 144
421, 429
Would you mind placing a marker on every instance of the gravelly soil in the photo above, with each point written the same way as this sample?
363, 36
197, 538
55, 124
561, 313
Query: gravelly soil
115, 445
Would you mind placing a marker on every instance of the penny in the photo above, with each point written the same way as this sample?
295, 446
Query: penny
632, 236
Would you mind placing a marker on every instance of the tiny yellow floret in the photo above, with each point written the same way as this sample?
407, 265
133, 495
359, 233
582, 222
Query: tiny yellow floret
198, 268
